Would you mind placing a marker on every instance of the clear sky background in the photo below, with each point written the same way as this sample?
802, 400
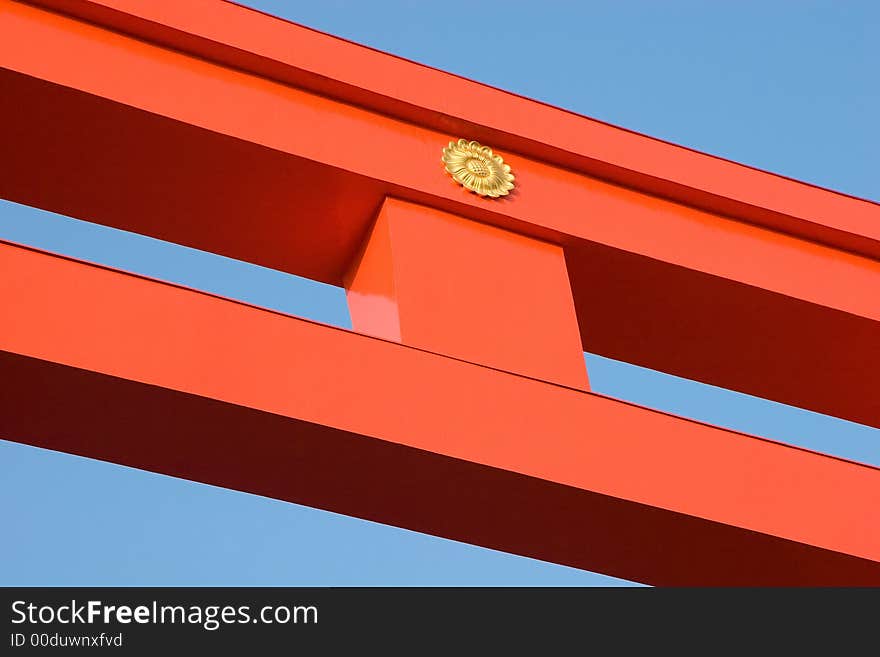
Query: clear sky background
788, 86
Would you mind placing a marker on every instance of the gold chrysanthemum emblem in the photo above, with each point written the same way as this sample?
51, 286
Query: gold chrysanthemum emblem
477, 168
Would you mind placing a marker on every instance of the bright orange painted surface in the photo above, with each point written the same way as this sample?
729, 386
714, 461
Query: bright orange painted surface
216, 127
446, 284
396, 434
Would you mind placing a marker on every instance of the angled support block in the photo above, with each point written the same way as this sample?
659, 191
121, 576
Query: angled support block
440, 282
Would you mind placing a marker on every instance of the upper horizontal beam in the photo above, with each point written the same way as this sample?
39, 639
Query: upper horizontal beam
121, 368
267, 46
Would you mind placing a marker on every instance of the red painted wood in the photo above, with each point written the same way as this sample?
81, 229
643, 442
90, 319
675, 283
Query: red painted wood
217, 127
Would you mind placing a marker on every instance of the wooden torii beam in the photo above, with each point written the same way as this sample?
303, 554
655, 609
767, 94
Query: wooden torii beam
461, 408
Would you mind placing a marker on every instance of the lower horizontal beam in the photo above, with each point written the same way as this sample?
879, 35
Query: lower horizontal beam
117, 367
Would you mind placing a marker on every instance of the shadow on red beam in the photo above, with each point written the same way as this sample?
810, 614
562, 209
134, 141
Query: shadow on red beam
122, 368
205, 440
721, 332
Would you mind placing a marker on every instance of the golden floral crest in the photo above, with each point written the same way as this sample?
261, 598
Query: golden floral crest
477, 168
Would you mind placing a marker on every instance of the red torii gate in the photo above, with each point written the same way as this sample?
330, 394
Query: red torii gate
462, 407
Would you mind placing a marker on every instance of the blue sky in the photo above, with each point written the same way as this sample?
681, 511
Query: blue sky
784, 86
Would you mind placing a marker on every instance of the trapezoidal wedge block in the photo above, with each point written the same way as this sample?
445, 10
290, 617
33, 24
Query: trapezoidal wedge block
440, 282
